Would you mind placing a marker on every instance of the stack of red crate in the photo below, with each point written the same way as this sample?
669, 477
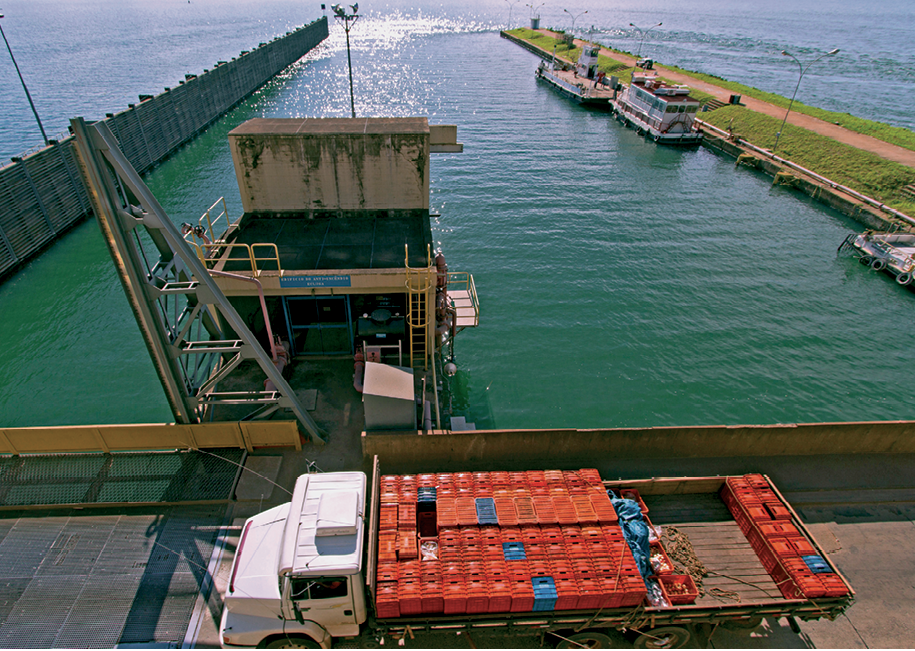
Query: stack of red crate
563, 521
781, 546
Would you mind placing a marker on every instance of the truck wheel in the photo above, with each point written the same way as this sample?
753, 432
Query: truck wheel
663, 637
292, 642
586, 640
745, 625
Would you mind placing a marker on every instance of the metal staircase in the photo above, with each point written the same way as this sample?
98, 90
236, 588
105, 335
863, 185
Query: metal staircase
195, 337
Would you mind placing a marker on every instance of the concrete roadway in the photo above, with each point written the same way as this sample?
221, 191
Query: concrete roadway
860, 509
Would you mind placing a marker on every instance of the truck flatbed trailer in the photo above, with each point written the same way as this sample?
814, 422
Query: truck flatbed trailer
738, 591
306, 586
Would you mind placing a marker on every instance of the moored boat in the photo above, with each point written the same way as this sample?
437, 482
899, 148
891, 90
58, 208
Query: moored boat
583, 82
662, 112
893, 253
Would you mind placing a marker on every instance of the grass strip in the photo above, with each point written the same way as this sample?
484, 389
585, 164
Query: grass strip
863, 171
898, 136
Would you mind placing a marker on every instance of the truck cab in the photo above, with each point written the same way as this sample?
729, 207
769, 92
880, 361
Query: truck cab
297, 577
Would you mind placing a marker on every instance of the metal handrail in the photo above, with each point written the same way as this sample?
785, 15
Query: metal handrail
210, 222
464, 280
210, 254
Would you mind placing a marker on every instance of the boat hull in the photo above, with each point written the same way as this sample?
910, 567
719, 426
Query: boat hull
892, 253
625, 114
579, 93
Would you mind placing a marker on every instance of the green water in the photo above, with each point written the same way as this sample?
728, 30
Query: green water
621, 284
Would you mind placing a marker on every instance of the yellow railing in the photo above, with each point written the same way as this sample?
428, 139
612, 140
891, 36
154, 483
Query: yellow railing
212, 223
210, 254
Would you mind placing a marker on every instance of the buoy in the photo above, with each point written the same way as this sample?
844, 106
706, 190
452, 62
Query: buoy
450, 369
878, 264
904, 278
865, 260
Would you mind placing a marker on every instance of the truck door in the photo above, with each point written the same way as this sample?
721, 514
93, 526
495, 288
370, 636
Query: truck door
327, 600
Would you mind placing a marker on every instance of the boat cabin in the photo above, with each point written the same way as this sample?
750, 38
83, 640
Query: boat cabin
669, 109
587, 61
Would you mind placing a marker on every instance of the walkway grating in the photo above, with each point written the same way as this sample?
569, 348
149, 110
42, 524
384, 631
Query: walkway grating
95, 581
120, 478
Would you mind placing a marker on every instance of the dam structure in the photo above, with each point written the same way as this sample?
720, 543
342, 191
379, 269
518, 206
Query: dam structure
42, 196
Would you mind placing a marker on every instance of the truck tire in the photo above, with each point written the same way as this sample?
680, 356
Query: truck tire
292, 642
663, 637
586, 640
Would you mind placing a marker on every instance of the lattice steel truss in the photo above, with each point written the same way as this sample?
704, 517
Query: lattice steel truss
181, 311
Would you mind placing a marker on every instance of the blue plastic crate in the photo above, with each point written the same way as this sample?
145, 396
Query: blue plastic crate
817, 564
514, 551
426, 494
486, 511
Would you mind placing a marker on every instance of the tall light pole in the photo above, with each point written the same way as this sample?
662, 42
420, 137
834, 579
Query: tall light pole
24, 87
348, 21
534, 8
801, 76
641, 40
511, 5
574, 18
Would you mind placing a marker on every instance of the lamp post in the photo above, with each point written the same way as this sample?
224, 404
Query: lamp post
24, 87
641, 40
348, 21
574, 18
511, 5
534, 8
801, 76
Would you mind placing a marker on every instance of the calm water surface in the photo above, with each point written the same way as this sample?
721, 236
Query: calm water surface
622, 284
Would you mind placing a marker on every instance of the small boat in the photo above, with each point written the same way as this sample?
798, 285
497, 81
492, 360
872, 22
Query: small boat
582, 82
662, 112
893, 253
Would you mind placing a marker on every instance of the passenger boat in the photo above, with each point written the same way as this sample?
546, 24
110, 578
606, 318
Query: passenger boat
662, 112
583, 82
893, 253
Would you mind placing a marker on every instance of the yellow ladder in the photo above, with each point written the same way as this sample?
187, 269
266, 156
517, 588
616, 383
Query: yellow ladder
418, 285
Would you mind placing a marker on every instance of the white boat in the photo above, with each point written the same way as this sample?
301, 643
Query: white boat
582, 82
662, 112
893, 253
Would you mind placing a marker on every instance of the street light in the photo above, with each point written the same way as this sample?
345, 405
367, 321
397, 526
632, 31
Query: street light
801, 76
348, 21
511, 5
534, 8
641, 40
574, 18
24, 87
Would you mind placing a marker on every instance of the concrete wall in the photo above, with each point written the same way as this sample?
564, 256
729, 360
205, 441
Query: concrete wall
42, 195
571, 448
112, 438
836, 200
300, 165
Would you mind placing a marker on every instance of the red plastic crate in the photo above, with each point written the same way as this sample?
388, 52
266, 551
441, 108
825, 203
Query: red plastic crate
777, 510
679, 588
524, 508
633, 494
591, 595
454, 598
387, 603
387, 546
500, 596
407, 545
466, 510
834, 585
543, 508
510, 534
410, 598
505, 511
477, 596
522, 592
778, 528
445, 512
603, 508
665, 565
567, 594
387, 572
432, 598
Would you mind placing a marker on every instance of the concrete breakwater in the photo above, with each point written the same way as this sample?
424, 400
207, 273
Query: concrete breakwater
42, 195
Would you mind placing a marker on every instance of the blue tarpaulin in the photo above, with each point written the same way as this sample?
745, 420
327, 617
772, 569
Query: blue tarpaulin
635, 531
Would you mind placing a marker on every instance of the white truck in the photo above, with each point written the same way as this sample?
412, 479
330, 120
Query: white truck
305, 573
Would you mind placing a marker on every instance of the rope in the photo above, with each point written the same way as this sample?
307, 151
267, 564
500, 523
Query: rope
680, 550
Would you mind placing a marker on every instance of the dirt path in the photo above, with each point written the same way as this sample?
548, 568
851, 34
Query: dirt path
858, 140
